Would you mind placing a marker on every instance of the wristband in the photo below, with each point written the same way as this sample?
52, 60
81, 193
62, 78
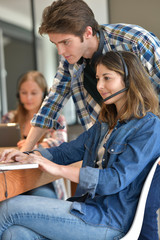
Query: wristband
28, 152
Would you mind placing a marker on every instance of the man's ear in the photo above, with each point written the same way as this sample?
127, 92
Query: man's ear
88, 32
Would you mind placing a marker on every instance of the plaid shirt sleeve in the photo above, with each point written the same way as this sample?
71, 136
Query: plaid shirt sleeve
56, 137
8, 117
48, 115
128, 37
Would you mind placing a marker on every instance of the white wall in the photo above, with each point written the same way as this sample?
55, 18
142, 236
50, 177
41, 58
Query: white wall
100, 9
14, 16
145, 13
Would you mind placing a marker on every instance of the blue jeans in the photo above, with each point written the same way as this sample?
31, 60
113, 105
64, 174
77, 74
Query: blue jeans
150, 224
33, 217
43, 191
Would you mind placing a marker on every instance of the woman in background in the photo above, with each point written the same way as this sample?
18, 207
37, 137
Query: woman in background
31, 91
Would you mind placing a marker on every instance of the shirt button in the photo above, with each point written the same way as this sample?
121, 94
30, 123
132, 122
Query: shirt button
103, 160
74, 75
112, 150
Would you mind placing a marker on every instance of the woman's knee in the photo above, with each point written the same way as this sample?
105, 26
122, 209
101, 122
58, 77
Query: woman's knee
17, 232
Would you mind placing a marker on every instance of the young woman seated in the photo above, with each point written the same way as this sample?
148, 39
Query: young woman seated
118, 152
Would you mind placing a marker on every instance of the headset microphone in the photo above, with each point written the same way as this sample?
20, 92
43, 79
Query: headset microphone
115, 94
126, 80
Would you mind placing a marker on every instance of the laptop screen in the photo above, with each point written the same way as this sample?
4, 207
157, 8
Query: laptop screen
9, 134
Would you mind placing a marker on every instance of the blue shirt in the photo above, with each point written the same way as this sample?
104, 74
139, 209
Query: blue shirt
112, 192
69, 78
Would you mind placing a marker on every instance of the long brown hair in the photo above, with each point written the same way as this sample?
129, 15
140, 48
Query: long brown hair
37, 77
141, 96
68, 16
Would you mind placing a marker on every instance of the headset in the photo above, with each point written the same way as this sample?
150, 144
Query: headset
98, 53
126, 78
125, 68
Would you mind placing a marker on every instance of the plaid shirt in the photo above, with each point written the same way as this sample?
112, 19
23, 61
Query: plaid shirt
69, 78
52, 137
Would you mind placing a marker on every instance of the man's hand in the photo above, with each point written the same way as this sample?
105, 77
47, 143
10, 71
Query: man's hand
21, 143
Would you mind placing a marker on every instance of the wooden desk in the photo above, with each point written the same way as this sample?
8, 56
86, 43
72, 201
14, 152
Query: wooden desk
15, 182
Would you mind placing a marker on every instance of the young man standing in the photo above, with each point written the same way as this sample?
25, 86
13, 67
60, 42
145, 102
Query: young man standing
71, 26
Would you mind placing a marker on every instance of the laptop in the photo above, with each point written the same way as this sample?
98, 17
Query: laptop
16, 166
9, 134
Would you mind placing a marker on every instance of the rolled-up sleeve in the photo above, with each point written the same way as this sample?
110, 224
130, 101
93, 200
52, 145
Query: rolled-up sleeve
89, 179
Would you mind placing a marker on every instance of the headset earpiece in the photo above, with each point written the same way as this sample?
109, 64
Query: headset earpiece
45, 93
17, 95
17, 86
125, 68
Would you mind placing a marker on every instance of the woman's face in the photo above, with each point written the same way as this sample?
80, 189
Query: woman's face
31, 95
108, 83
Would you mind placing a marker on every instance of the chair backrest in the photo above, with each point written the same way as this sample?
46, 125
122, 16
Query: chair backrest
135, 229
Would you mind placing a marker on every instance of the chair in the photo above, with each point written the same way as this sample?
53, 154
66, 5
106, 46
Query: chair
135, 229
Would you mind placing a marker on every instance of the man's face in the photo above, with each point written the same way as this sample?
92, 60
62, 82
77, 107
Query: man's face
69, 46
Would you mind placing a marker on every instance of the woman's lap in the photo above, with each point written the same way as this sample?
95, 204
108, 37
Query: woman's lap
47, 217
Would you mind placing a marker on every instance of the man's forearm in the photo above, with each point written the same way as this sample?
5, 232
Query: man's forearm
33, 137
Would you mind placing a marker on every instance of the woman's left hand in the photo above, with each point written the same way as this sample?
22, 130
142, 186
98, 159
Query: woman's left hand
44, 164
10, 154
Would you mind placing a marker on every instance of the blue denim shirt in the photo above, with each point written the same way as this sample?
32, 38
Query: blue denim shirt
112, 192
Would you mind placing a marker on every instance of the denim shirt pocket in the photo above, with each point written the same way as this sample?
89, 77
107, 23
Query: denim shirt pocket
111, 153
116, 148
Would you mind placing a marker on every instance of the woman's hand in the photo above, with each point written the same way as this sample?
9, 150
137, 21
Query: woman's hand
9, 155
43, 163
69, 172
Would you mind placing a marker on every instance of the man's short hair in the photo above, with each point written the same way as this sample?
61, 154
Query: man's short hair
68, 16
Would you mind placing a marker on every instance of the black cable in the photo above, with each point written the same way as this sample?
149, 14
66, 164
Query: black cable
5, 181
